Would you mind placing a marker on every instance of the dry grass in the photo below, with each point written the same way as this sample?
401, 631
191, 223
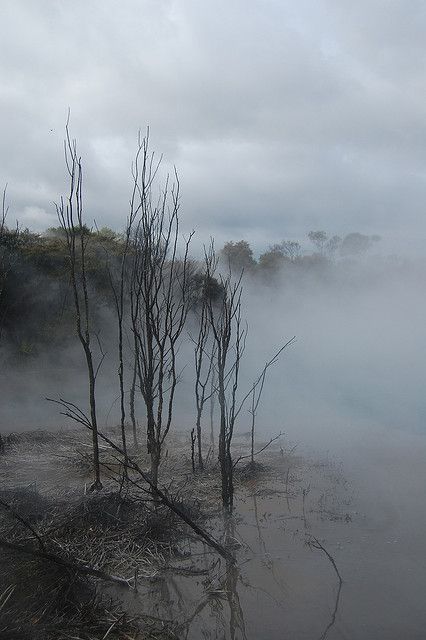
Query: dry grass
118, 533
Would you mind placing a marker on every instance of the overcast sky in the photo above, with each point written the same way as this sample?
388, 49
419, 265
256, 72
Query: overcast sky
281, 117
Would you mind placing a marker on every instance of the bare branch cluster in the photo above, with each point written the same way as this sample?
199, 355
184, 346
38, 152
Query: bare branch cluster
159, 294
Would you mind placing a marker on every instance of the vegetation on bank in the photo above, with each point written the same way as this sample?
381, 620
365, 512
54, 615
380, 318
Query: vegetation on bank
36, 306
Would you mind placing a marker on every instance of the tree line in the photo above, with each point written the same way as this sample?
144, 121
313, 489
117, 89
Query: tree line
289, 253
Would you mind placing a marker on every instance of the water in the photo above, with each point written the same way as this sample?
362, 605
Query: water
370, 520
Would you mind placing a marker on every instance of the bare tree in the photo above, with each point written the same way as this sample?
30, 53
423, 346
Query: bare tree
132, 394
256, 393
212, 408
229, 337
204, 353
70, 215
319, 240
159, 297
119, 286
291, 249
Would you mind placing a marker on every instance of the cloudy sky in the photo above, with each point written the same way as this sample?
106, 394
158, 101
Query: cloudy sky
281, 117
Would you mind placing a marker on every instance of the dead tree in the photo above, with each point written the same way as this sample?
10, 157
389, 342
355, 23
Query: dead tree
70, 215
160, 299
256, 393
212, 408
204, 353
229, 337
119, 284
132, 395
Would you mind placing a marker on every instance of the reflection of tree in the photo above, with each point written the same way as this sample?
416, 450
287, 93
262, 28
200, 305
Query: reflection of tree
262, 545
314, 543
236, 615
267, 561
334, 613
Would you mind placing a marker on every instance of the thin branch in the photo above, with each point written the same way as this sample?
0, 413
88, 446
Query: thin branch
260, 450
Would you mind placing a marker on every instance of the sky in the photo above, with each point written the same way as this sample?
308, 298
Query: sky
280, 117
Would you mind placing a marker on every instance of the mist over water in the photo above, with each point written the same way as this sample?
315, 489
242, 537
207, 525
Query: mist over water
357, 365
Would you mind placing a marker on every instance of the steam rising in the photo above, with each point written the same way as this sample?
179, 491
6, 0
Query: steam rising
356, 366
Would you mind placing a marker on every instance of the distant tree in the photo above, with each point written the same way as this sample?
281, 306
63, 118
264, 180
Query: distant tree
203, 287
332, 245
291, 249
319, 240
272, 260
58, 232
109, 235
325, 246
355, 244
238, 256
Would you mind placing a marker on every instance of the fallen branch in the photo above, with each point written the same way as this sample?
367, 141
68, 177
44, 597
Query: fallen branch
68, 564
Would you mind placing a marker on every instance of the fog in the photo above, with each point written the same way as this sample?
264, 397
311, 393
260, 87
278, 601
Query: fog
355, 367
358, 362
348, 391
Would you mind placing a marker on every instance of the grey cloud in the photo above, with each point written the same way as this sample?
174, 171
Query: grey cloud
279, 118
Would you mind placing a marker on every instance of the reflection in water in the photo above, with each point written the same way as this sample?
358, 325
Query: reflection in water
262, 545
314, 543
217, 591
305, 493
279, 588
236, 616
268, 561
219, 614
